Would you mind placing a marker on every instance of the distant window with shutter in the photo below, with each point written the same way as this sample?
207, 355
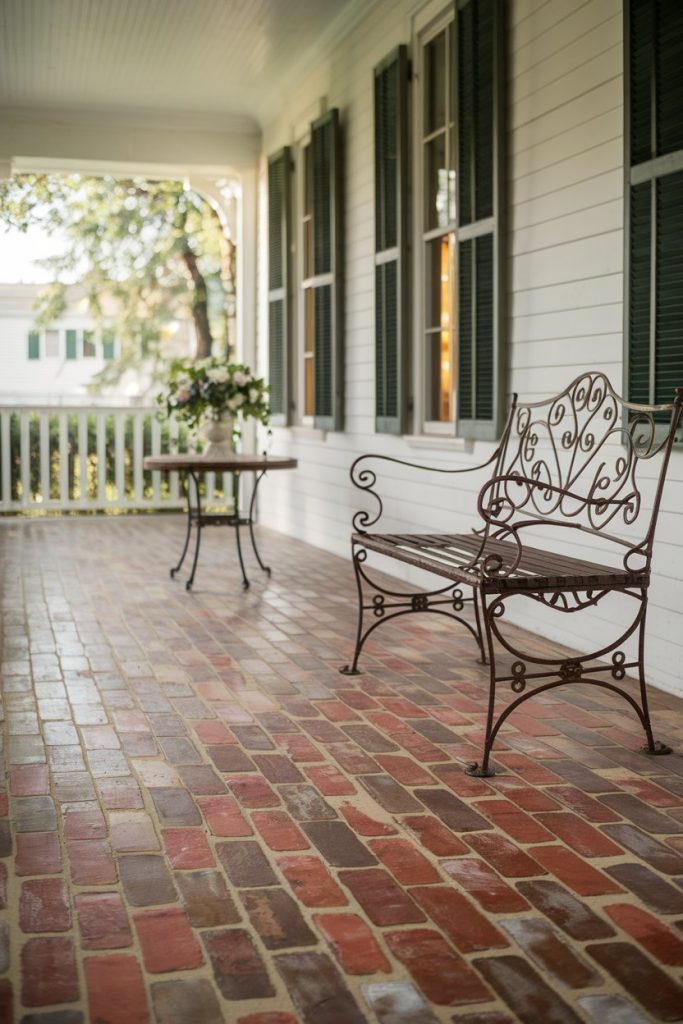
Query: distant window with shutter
325, 283
33, 345
279, 246
654, 199
391, 242
108, 345
460, 114
89, 349
71, 345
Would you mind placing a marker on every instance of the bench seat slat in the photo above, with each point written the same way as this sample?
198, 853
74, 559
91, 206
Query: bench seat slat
451, 555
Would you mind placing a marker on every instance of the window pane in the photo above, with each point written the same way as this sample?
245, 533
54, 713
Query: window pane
440, 324
89, 350
52, 344
34, 345
437, 184
71, 351
435, 83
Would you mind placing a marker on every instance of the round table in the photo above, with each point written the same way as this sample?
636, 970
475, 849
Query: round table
192, 466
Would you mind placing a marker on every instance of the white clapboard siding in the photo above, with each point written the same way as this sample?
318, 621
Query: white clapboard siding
565, 250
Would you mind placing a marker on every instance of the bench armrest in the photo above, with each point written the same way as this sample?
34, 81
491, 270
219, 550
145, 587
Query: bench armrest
365, 479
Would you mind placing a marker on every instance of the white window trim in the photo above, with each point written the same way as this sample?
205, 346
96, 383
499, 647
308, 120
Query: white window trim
427, 23
299, 310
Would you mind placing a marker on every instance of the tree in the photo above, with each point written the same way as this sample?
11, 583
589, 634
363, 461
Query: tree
144, 252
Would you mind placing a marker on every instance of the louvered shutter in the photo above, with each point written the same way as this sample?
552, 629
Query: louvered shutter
654, 206
391, 229
480, 217
279, 228
328, 366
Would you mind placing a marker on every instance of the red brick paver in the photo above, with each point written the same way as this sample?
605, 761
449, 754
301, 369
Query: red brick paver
204, 821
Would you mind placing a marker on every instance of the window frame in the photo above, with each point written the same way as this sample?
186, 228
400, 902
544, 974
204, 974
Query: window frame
432, 19
649, 171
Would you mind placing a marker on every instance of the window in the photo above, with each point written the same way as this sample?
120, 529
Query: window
52, 344
457, 222
71, 346
279, 314
654, 199
108, 345
319, 269
89, 349
33, 345
391, 243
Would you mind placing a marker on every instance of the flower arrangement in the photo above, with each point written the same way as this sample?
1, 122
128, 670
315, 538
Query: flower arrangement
211, 388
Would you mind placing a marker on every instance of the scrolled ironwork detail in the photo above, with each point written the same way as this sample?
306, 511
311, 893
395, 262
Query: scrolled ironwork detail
570, 670
457, 599
378, 605
419, 602
518, 684
618, 662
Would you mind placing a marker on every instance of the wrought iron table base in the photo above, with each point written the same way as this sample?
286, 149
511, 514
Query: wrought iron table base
202, 519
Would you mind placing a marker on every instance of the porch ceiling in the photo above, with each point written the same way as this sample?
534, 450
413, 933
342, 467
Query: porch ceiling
177, 86
220, 57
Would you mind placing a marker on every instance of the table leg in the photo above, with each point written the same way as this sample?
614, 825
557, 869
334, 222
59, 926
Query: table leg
257, 481
236, 512
198, 517
177, 568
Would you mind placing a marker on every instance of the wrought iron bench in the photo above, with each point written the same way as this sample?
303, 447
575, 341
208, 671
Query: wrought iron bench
572, 462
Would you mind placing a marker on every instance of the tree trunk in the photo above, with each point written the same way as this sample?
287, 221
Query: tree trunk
200, 309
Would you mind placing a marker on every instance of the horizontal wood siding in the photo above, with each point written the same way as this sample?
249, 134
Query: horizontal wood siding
565, 267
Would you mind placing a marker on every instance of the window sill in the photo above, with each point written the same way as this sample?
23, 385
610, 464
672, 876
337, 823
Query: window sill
435, 443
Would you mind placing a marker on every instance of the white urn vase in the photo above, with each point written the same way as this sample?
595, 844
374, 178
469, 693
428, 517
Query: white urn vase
218, 433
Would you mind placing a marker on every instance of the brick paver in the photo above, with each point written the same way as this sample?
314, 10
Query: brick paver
203, 821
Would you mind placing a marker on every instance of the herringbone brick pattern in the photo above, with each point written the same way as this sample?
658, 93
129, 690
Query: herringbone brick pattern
205, 822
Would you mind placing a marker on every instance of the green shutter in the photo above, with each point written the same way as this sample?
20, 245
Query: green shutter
108, 345
391, 242
279, 246
328, 365
33, 345
653, 363
71, 349
480, 217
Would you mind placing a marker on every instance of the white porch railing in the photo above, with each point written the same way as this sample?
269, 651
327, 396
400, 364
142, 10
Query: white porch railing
70, 458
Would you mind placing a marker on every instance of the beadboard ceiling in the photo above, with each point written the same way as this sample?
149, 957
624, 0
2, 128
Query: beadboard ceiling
216, 58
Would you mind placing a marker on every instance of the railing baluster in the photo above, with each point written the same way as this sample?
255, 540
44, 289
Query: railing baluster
25, 457
44, 421
101, 460
63, 459
82, 459
138, 455
119, 450
156, 450
5, 421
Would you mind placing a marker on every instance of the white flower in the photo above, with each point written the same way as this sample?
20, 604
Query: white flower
240, 378
218, 374
254, 395
233, 404
239, 400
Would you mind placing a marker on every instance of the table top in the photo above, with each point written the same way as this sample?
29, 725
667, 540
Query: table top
233, 464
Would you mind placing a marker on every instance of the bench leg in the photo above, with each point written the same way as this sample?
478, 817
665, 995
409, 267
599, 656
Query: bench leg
484, 770
359, 555
653, 747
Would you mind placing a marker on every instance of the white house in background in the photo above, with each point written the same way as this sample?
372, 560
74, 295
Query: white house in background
56, 364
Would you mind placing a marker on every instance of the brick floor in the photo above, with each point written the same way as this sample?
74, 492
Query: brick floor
204, 821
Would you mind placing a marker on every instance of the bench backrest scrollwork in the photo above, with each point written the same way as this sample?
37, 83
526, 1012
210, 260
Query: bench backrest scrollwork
576, 460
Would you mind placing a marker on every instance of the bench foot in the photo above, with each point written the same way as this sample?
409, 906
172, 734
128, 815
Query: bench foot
346, 670
657, 750
478, 772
